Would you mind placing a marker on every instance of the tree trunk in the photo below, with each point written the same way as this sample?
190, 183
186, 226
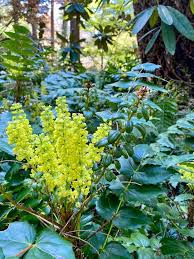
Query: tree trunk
32, 16
16, 10
65, 23
181, 65
52, 25
75, 30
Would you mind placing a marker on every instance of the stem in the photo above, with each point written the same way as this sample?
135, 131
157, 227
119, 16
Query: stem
102, 60
24, 250
32, 212
86, 242
17, 91
118, 208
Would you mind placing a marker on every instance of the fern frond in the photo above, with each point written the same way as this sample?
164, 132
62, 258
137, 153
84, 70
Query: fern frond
167, 116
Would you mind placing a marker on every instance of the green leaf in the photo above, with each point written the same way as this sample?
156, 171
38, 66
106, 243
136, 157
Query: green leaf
152, 175
127, 166
143, 194
130, 218
169, 38
181, 23
107, 205
184, 197
21, 29
174, 247
165, 15
145, 253
153, 87
152, 41
142, 151
175, 160
17, 237
187, 232
5, 147
149, 67
5, 117
153, 19
96, 240
50, 245
142, 19
115, 250
1, 254
139, 239
191, 3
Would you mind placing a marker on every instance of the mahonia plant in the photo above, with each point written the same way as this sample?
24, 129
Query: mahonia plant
61, 157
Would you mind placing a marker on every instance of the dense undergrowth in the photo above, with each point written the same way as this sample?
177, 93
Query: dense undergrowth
106, 173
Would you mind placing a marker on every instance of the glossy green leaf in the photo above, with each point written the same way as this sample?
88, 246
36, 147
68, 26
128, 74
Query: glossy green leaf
50, 245
115, 250
145, 253
165, 15
142, 19
1, 254
130, 218
5, 117
169, 38
149, 67
16, 238
139, 239
181, 23
5, 147
96, 240
147, 193
175, 247
152, 175
107, 205
142, 151
19, 238
127, 166
21, 29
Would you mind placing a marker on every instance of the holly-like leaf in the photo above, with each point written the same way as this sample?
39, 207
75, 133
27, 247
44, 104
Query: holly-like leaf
175, 247
115, 250
149, 67
50, 245
127, 166
143, 194
5, 147
130, 218
1, 254
142, 151
152, 175
139, 239
145, 253
18, 237
107, 205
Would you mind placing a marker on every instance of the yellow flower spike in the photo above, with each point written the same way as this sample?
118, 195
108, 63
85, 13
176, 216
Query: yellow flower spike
187, 171
61, 155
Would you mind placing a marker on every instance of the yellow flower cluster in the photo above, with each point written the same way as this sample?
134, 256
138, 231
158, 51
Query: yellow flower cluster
62, 155
187, 171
